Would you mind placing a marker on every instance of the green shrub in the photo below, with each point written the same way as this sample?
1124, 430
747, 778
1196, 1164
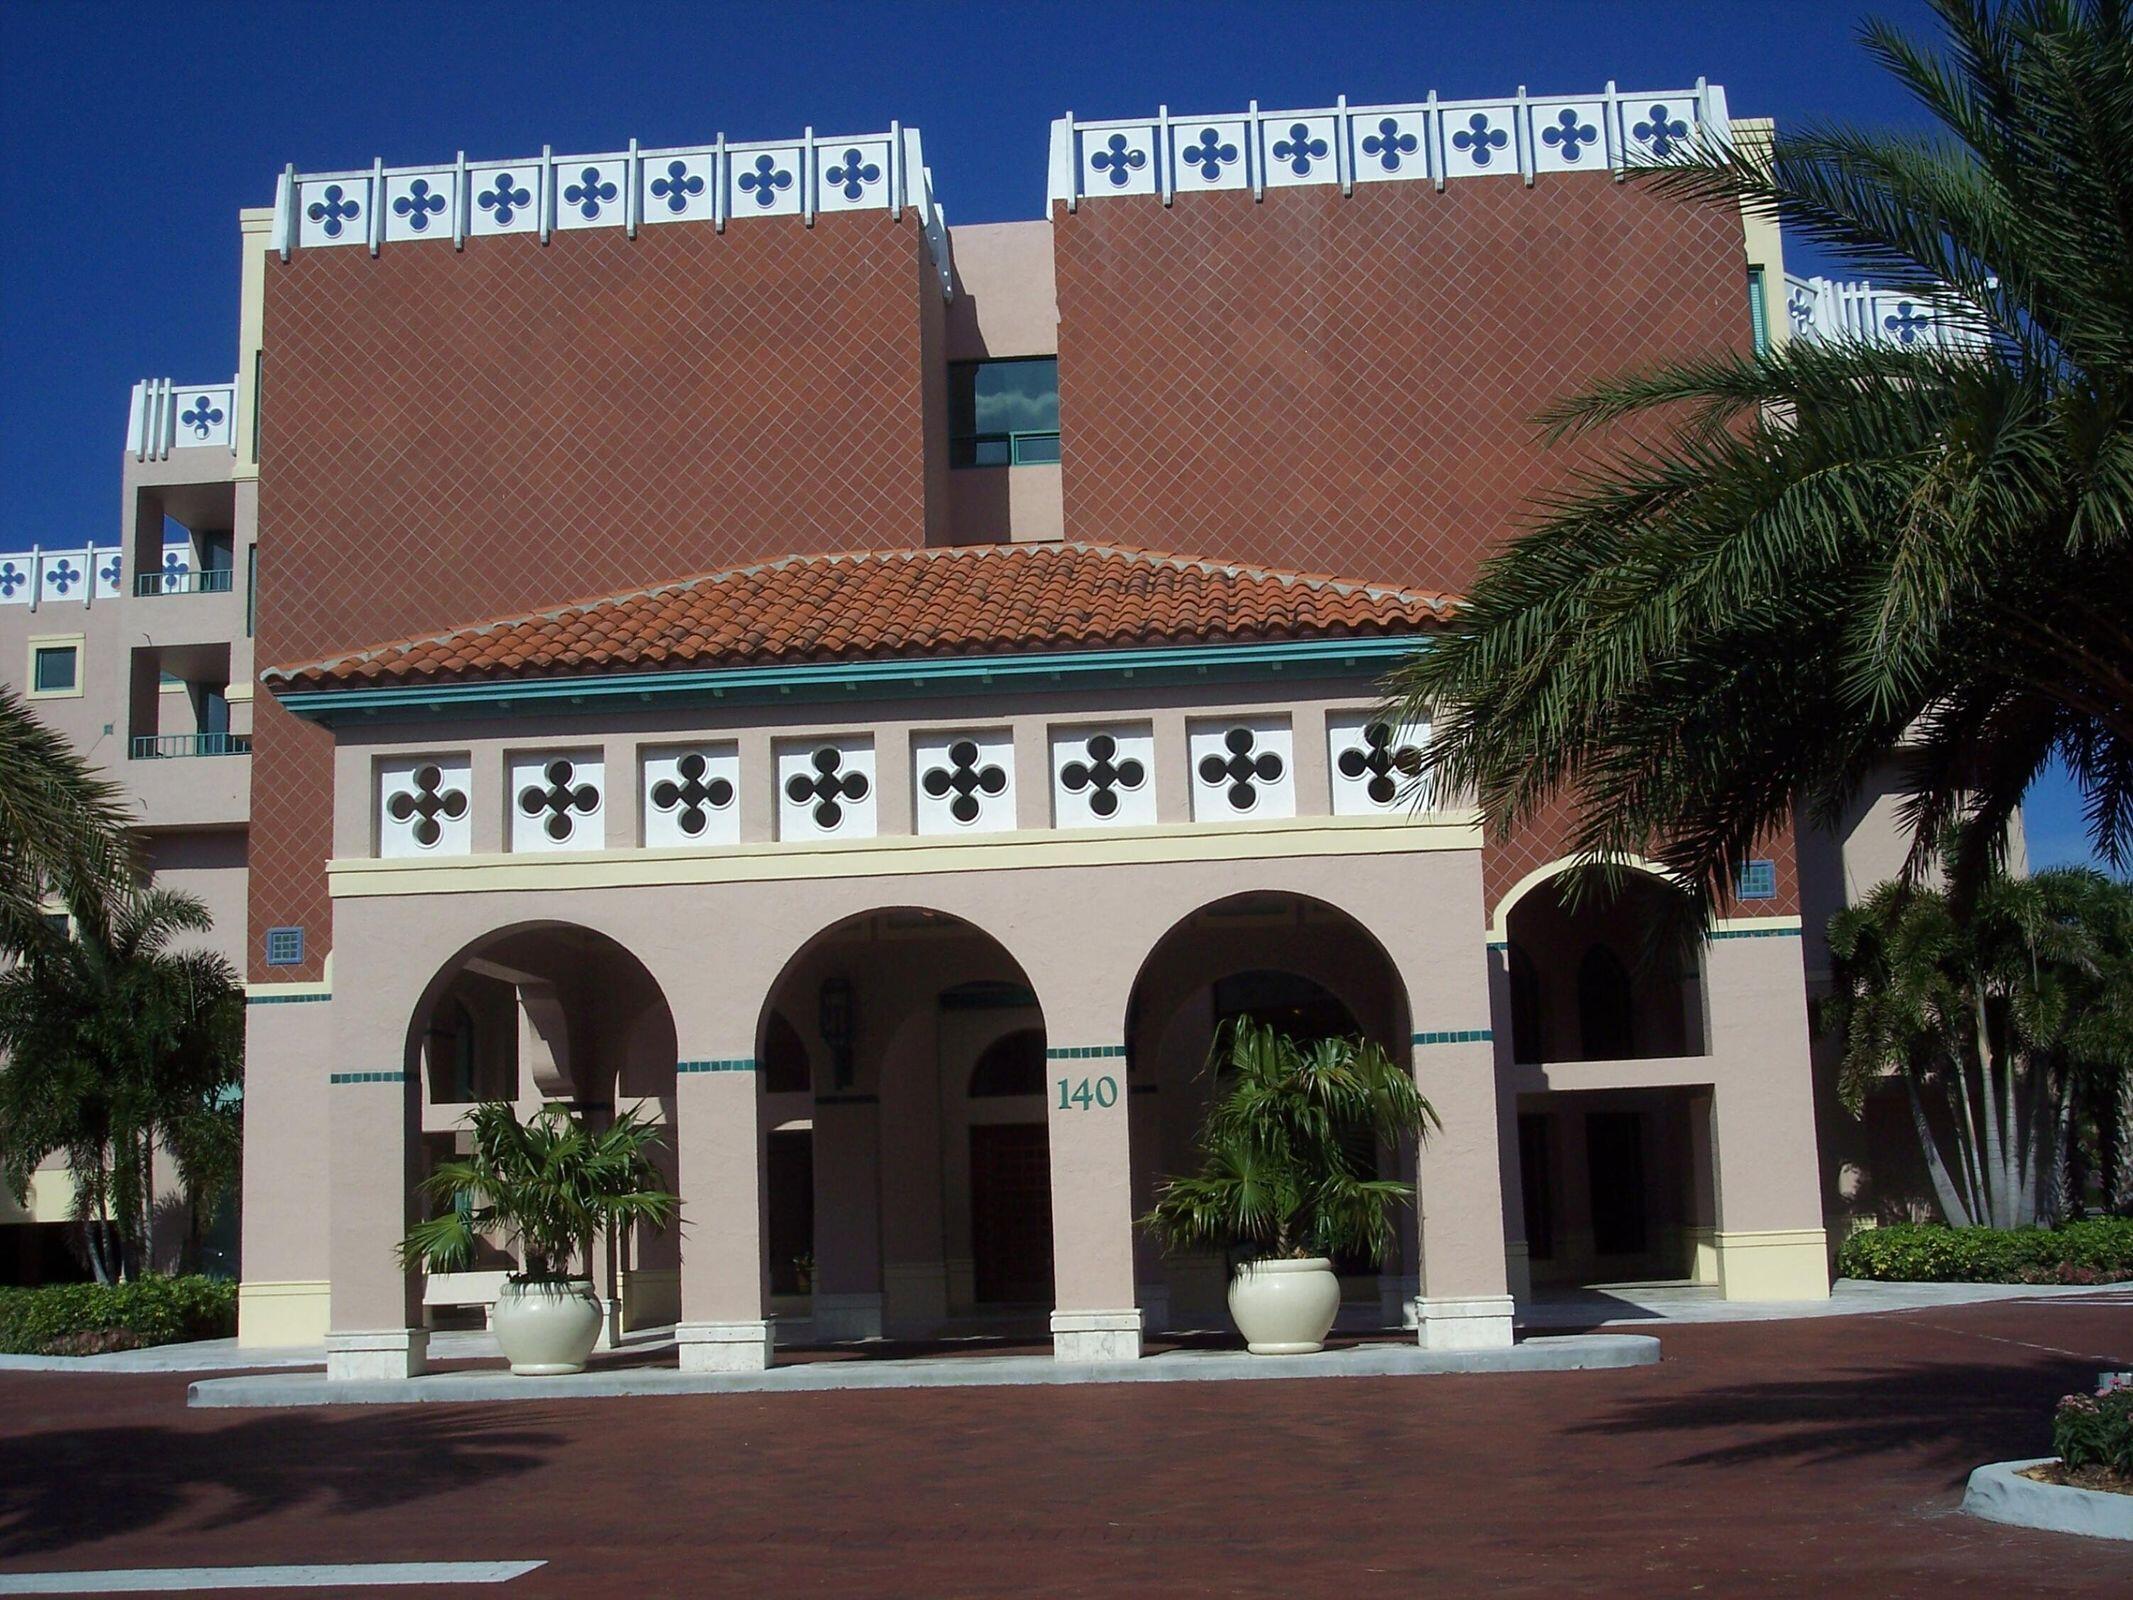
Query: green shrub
2097, 1430
80, 1318
2099, 1250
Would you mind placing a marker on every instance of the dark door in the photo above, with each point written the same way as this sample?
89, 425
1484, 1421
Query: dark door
1614, 1155
1534, 1188
1011, 1213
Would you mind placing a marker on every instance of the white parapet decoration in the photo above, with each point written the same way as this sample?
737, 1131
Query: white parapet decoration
1825, 309
721, 182
167, 416
62, 575
1426, 140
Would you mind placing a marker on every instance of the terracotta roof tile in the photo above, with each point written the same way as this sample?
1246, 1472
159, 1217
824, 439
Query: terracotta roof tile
958, 600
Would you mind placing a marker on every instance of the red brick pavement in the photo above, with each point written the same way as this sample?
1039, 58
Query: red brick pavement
1809, 1457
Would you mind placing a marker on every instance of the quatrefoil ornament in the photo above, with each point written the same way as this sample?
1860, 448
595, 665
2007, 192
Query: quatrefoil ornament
1378, 757
1242, 767
559, 800
828, 785
429, 800
1102, 774
692, 794
967, 778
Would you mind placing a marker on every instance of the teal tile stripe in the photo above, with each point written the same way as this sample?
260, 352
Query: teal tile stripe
367, 1077
1084, 1052
1457, 1036
728, 1064
1499, 944
285, 999
1757, 933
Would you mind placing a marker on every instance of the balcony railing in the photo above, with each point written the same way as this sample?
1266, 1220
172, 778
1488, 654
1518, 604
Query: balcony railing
219, 581
1004, 449
165, 746
1824, 309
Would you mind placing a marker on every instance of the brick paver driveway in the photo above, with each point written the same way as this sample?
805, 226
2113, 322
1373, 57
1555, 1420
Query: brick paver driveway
1787, 1458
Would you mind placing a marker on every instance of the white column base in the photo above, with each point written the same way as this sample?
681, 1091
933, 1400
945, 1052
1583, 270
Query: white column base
1478, 1323
1097, 1335
383, 1353
845, 1316
1396, 1298
724, 1346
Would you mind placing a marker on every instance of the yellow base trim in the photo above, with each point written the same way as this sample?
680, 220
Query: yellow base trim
1703, 1254
351, 878
1774, 1264
271, 1315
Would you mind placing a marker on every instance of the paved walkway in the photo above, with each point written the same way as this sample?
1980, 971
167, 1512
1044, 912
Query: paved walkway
1807, 1456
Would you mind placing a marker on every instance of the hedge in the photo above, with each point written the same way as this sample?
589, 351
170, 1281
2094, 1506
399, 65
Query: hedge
86, 1318
2099, 1250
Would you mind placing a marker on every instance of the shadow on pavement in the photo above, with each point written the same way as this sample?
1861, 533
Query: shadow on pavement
1940, 1415
273, 1462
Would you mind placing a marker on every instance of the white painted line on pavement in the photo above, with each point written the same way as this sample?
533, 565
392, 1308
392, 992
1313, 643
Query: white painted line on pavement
346, 1575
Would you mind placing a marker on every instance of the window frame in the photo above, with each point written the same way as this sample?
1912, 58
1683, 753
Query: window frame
76, 645
1017, 441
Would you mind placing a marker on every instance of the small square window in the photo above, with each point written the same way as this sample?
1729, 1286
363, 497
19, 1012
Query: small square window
1756, 880
56, 669
285, 947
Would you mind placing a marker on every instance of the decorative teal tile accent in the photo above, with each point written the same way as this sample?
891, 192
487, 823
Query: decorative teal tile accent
285, 999
1499, 944
1756, 933
1457, 1036
1084, 1052
729, 1064
367, 1077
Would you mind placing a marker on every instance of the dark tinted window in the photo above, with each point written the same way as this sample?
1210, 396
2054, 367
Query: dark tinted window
1004, 413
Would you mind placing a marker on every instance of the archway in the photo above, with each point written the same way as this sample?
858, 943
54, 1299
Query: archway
1287, 960
543, 1013
1595, 978
924, 1119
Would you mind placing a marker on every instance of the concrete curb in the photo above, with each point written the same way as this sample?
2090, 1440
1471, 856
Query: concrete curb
1999, 1493
1580, 1353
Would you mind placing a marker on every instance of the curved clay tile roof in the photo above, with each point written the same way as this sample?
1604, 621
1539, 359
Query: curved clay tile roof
957, 600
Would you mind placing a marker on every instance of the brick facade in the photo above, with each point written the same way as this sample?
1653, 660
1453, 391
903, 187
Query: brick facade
447, 435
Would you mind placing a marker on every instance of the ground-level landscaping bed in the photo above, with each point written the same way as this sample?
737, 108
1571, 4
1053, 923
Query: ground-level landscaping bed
2094, 1250
85, 1319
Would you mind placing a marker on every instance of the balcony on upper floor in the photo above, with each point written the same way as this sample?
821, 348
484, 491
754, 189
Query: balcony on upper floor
1824, 310
167, 418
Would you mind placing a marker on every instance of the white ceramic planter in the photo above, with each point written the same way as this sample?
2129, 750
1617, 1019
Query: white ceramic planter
548, 1325
1284, 1308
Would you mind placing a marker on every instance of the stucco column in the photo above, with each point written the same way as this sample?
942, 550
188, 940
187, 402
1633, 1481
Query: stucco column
1771, 1244
375, 1313
847, 1293
1095, 1316
1466, 1302
725, 1326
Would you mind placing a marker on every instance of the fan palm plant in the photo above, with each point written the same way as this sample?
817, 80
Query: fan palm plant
1789, 563
551, 1185
1284, 1170
115, 1043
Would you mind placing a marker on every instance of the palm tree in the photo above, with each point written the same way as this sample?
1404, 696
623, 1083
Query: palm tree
62, 828
1787, 564
1993, 1011
116, 1044
1284, 1169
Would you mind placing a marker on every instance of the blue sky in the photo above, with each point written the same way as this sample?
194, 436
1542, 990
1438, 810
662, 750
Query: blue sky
131, 134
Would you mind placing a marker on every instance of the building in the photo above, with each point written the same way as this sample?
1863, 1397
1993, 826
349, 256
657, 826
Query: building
879, 694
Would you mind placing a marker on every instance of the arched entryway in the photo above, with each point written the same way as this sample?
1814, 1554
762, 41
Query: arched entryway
547, 1013
1284, 959
1599, 975
917, 1086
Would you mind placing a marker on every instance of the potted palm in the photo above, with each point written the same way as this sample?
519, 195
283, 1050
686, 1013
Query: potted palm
550, 1186
1285, 1178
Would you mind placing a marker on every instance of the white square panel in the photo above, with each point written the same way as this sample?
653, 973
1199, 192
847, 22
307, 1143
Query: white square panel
678, 187
418, 205
1242, 767
966, 782
504, 198
177, 568
1300, 150
425, 806
1118, 161
1478, 142
1103, 777
826, 788
1372, 763
1657, 128
589, 194
854, 176
1569, 135
17, 580
692, 795
63, 575
335, 211
763, 183
558, 801
1210, 155
110, 574
1390, 145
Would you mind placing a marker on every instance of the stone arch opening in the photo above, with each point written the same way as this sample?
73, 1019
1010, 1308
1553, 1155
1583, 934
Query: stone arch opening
1594, 977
